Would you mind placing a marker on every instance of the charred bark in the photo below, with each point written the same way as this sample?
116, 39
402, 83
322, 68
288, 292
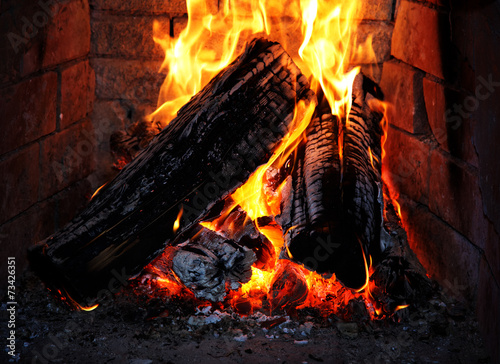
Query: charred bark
333, 219
205, 153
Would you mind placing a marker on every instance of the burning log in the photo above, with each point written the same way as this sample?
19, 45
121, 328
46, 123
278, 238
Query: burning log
210, 148
331, 213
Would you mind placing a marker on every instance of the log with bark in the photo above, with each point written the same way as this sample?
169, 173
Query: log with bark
331, 211
216, 141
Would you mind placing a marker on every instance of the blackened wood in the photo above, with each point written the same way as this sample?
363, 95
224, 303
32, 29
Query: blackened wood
331, 214
217, 140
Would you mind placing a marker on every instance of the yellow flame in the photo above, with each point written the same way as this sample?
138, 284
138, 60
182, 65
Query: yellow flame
251, 196
192, 60
177, 221
97, 191
326, 55
400, 307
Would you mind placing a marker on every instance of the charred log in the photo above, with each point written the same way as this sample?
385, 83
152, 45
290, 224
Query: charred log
205, 153
331, 214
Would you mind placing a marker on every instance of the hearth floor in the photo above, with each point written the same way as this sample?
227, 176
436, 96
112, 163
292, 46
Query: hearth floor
127, 330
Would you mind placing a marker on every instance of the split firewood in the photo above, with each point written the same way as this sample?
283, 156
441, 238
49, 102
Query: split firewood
331, 214
213, 145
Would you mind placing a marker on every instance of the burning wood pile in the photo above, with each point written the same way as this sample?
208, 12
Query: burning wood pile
263, 192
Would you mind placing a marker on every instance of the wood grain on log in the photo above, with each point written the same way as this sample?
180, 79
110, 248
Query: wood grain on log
217, 140
331, 214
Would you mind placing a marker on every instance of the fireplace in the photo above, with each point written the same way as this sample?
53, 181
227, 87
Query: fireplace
78, 71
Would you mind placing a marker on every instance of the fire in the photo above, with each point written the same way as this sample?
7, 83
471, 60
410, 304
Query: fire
178, 220
326, 55
191, 60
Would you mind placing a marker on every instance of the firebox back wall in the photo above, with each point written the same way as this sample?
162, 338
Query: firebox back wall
56, 125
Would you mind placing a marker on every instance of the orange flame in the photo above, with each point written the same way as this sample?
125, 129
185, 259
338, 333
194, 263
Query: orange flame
191, 60
177, 221
326, 55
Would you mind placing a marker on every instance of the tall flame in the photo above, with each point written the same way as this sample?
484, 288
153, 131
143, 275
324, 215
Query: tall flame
191, 60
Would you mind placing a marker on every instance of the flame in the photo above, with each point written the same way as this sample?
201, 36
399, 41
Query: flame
191, 60
178, 220
326, 55
400, 307
97, 191
251, 196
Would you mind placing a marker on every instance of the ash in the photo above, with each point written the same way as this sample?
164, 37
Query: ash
137, 329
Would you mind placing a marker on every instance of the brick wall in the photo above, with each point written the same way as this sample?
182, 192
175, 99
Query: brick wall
441, 146
47, 138
431, 63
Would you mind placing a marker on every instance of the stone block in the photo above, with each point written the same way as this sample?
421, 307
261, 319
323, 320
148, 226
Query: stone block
406, 164
28, 111
68, 33
77, 93
19, 175
67, 157
128, 79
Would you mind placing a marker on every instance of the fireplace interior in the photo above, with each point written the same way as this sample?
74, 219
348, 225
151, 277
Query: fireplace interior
75, 73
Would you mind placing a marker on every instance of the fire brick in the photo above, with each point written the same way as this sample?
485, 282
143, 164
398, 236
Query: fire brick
454, 195
375, 10
127, 36
128, 79
451, 129
68, 35
406, 164
77, 93
381, 33
67, 157
402, 87
454, 264
150, 6
29, 111
417, 37
19, 234
19, 182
